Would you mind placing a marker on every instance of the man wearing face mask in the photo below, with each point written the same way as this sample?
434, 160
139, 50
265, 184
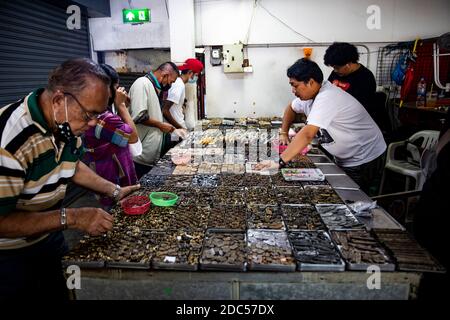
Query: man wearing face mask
40, 150
145, 94
173, 106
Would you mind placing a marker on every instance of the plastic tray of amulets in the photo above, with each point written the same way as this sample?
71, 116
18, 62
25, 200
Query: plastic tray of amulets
303, 217
338, 217
179, 250
87, 253
360, 250
227, 218
269, 251
292, 196
152, 181
264, 217
261, 196
133, 249
314, 251
322, 195
224, 251
408, 254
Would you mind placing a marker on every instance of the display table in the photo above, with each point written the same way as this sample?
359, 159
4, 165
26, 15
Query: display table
151, 279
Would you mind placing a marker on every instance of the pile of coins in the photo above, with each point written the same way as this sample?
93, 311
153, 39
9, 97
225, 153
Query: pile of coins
338, 217
158, 218
197, 197
228, 217
229, 196
230, 180
180, 248
152, 181
302, 218
256, 180
314, 248
190, 217
89, 250
261, 196
269, 248
209, 168
359, 247
133, 246
264, 218
178, 181
189, 169
205, 181
125, 246
323, 195
293, 195
227, 249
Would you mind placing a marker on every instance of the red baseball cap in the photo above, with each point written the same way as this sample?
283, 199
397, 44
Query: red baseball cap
192, 64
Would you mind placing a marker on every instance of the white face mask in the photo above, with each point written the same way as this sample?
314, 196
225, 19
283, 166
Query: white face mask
193, 79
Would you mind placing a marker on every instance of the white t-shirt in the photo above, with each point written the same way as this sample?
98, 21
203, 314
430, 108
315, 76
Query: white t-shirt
177, 94
355, 137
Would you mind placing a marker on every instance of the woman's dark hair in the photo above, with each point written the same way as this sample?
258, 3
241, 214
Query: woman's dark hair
111, 72
340, 53
72, 75
305, 69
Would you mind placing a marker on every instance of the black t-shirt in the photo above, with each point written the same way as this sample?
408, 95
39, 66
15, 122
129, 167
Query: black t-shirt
360, 84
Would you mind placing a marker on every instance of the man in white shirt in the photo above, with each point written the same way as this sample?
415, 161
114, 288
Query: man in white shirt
343, 126
146, 113
173, 107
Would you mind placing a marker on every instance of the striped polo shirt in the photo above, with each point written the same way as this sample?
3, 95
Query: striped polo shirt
34, 171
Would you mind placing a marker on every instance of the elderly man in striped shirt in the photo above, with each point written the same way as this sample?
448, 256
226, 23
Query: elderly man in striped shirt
40, 150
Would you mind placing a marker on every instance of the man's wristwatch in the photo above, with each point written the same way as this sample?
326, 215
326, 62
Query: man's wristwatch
116, 192
282, 163
63, 218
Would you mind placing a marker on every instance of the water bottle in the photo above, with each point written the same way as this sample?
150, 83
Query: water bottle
421, 92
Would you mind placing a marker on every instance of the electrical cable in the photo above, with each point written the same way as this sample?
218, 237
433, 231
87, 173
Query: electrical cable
255, 4
284, 23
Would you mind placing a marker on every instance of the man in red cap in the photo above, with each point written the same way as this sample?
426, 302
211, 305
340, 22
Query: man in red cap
173, 107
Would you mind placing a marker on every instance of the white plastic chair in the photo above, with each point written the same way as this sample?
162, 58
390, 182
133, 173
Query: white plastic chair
402, 166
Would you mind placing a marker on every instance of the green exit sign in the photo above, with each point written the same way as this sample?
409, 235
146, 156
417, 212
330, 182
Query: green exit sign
136, 15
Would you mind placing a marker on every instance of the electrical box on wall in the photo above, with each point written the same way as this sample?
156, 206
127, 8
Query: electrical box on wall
233, 58
216, 56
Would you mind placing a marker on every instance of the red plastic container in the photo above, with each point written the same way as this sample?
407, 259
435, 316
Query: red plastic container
136, 205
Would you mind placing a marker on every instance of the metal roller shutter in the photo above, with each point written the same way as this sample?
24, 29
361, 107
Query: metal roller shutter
33, 40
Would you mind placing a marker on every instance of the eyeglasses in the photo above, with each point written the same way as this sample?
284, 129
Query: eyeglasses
87, 115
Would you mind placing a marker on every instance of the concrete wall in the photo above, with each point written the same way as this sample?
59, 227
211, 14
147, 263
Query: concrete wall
142, 60
217, 22
112, 34
266, 91
227, 21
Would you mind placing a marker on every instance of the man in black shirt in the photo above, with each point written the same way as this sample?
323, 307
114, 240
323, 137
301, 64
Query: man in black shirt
350, 75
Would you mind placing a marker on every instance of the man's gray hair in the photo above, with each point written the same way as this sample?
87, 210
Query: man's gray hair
73, 75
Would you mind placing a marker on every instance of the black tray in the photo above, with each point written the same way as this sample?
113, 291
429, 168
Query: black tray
223, 266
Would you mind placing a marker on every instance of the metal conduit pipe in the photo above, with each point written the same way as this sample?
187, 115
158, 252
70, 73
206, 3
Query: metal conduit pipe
305, 44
